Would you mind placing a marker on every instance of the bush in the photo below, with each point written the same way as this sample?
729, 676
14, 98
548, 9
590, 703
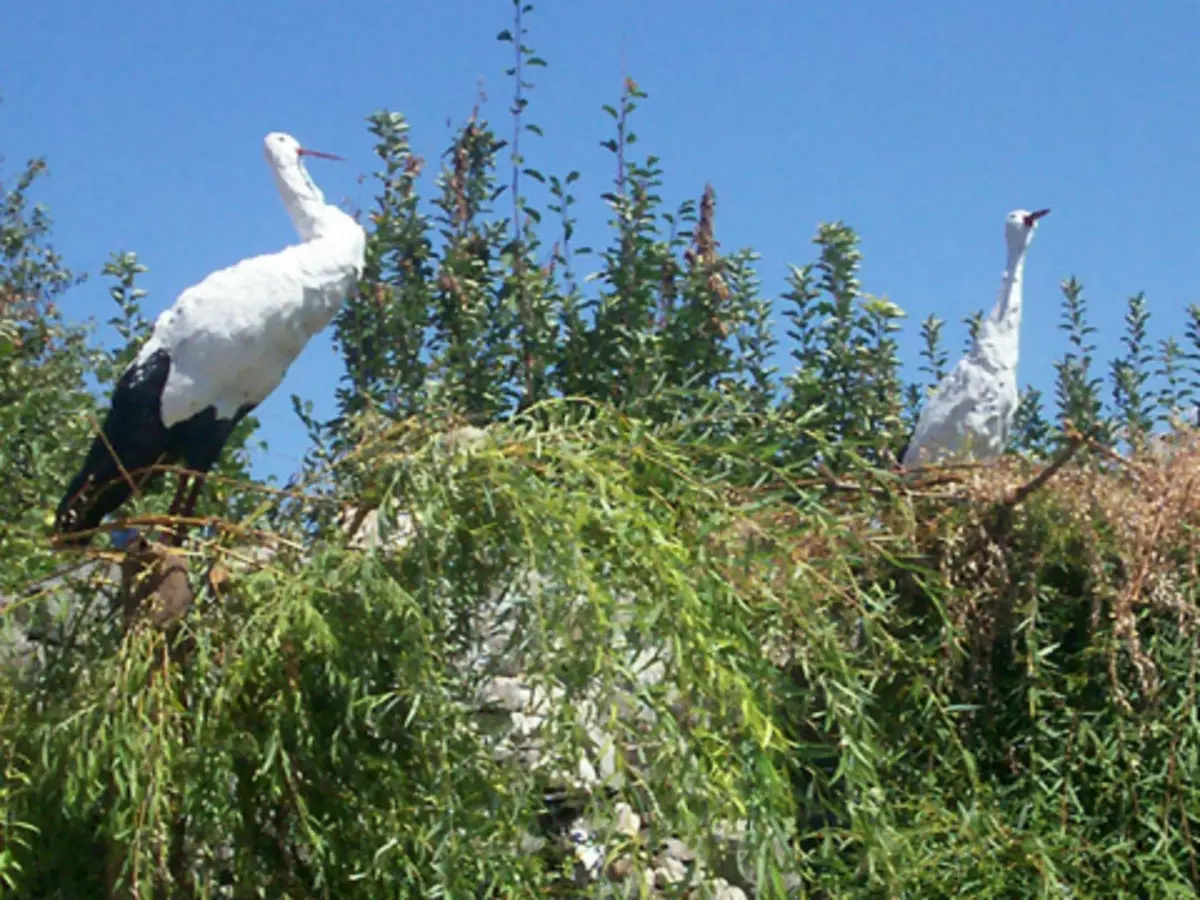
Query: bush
577, 595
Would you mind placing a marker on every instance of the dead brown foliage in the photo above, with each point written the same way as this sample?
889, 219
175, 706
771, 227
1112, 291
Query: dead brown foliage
982, 535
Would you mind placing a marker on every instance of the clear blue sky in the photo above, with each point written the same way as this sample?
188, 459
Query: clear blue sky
920, 124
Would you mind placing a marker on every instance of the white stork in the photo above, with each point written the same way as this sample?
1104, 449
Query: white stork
970, 413
218, 352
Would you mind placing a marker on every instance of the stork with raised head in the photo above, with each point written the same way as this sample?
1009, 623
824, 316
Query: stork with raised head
218, 352
970, 413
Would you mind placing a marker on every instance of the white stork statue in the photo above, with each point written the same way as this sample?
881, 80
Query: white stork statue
970, 413
218, 352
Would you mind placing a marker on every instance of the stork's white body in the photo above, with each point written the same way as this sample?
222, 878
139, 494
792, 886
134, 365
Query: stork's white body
970, 413
233, 336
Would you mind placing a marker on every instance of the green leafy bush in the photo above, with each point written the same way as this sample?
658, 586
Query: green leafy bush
577, 595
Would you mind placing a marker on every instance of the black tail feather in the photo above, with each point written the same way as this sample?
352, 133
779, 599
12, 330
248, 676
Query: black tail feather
134, 432
101, 486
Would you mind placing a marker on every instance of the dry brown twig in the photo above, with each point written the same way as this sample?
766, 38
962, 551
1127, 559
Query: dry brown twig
1103, 450
1038, 481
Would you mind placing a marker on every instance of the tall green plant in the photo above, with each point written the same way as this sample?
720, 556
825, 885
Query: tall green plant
626, 359
1031, 433
846, 380
1191, 358
45, 407
1077, 389
1174, 394
382, 332
1131, 374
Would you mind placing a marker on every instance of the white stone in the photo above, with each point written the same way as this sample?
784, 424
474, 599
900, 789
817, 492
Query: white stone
507, 693
590, 856
669, 871
625, 821
723, 890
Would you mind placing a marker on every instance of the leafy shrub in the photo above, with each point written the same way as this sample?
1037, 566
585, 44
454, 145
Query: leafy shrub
572, 550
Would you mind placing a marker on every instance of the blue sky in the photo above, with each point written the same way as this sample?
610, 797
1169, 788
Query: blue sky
920, 124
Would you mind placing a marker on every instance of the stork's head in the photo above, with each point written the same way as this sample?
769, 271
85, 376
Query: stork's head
1019, 227
301, 196
284, 150
281, 149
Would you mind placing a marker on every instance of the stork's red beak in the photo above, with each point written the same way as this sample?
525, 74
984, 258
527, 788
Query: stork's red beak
1034, 216
304, 151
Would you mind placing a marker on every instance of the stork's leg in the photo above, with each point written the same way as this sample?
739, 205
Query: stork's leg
189, 508
177, 505
199, 441
173, 509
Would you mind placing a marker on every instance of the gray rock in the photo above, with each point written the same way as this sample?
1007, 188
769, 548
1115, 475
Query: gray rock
669, 872
621, 868
673, 848
723, 890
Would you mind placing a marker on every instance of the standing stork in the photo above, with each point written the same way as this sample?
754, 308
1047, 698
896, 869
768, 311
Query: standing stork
970, 413
218, 352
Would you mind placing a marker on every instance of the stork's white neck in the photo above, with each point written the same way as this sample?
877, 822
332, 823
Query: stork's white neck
310, 214
999, 332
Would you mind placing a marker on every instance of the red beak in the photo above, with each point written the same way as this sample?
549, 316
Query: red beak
304, 151
1034, 216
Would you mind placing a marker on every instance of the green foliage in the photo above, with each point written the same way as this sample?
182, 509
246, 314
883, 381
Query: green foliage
1030, 430
582, 465
846, 379
44, 361
934, 361
1077, 389
1057, 731
381, 336
466, 306
129, 324
325, 727
1174, 393
1130, 374
972, 320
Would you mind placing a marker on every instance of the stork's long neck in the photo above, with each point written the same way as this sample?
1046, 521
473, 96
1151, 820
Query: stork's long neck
304, 201
999, 332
